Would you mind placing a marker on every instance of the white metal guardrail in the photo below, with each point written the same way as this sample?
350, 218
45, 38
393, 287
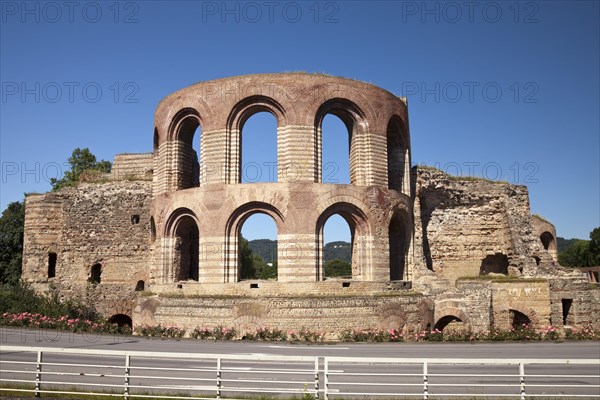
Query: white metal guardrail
135, 374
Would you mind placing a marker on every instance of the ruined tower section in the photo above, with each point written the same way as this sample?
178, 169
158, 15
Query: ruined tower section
199, 203
91, 241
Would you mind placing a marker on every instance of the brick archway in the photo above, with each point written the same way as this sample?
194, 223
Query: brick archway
360, 234
233, 229
238, 116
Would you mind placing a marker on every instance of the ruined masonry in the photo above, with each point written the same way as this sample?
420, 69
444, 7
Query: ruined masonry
156, 240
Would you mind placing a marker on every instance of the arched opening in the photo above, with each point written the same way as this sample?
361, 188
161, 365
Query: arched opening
399, 238
518, 319
397, 155
257, 248
333, 144
337, 251
155, 142
187, 127
186, 246
494, 264
152, 230
259, 148
547, 240
121, 320
51, 264
95, 274
139, 286
336, 138
447, 321
356, 221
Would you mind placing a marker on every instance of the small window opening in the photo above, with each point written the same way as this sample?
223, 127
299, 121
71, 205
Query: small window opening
139, 287
254, 286
135, 219
179, 286
345, 284
494, 264
566, 309
51, 265
95, 274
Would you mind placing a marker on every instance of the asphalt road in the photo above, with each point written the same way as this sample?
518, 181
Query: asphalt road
47, 338
198, 376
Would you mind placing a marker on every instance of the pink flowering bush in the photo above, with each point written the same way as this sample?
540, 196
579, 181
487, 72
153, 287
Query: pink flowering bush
64, 323
371, 335
161, 331
585, 332
550, 333
306, 335
221, 333
201, 333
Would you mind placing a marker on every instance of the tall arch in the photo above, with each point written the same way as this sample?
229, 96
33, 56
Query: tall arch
354, 120
398, 162
399, 243
240, 113
233, 232
359, 233
184, 125
183, 236
258, 150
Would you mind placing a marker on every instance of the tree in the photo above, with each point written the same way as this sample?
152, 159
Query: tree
575, 256
81, 160
338, 267
582, 253
11, 242
246, 260
594, 247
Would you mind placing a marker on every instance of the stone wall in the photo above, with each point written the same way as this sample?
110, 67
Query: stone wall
133, 167
106, 224
326, 314
466, 223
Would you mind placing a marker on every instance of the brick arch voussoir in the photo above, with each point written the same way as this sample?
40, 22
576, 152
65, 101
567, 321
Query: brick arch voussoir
251, 105
175, 217
528, 312
326, 207
189, 106
243, 212
443, 309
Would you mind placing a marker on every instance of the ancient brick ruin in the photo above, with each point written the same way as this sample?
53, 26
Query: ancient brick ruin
156, 240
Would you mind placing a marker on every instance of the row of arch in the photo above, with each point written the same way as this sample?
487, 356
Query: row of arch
187, 123
183, 230
517, 319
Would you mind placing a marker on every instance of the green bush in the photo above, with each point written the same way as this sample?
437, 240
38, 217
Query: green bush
585, 332
161, 331
19, 298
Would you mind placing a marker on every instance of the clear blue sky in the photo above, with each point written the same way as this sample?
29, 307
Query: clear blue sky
497, 89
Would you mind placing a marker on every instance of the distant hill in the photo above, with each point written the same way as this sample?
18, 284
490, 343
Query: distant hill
563, 244
267, 249
338, 250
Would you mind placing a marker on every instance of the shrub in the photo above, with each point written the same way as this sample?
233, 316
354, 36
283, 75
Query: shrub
585, 332
161, 331
220, 333
201, 333
64, 322
550, 333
